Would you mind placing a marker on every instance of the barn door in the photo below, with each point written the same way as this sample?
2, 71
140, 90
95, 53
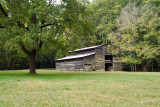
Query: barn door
108, 67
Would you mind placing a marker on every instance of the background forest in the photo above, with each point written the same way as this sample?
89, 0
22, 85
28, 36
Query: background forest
131, 28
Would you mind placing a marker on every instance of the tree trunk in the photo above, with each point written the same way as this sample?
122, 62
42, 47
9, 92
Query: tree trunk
144, 65
135, 67
132, 68
32, 64
32, 56
152, 66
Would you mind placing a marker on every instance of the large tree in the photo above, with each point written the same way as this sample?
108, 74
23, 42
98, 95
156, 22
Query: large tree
33, 23
137, 37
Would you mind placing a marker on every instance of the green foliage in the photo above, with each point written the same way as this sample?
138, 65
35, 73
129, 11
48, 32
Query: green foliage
105, 13
51, 30
138, 33
34, 24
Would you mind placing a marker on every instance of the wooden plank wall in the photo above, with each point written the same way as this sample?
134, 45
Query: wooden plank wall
117, 64
100, 59
89, 63
71, 65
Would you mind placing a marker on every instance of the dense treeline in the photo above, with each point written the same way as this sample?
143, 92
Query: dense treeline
130, 27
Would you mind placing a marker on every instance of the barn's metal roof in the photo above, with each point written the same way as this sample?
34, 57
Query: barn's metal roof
88, 48
76, 56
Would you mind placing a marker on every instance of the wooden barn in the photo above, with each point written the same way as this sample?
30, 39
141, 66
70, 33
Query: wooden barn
94, 58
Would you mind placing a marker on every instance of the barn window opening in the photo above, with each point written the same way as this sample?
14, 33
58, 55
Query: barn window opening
108, 58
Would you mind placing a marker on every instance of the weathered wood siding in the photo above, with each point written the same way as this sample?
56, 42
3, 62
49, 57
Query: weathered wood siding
100, 59
117, 64
94, 62
70, 65
89, 63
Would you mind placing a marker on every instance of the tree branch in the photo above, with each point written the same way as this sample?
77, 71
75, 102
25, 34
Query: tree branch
3, 11
5, 14
40, 44
34, 52
46, 25
34, 19
24, 49
1, 27
21, 25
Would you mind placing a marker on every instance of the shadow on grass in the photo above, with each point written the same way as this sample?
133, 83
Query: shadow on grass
51, 75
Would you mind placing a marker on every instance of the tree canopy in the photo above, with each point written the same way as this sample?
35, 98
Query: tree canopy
32, 24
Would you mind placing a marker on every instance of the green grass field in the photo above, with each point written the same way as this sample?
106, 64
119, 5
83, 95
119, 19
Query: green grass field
51, 88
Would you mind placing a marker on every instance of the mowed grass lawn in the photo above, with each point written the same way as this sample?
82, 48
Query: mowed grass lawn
51, 88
